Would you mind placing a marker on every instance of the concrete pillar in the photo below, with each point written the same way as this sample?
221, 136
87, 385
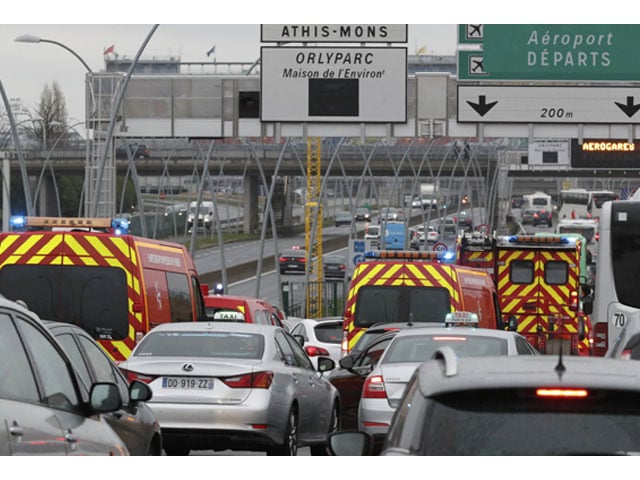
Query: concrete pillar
250, 218
47, 201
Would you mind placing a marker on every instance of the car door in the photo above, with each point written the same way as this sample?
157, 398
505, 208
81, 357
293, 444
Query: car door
31, 427
83, 434
301, 371
94, 366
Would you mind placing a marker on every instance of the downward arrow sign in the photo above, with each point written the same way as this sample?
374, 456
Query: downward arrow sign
482, 107
630, 109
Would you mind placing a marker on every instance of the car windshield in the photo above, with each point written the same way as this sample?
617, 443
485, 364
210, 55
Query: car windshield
420, 348
517, 422
201, 344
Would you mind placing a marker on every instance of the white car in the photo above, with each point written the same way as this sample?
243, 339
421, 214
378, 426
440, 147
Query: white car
384, 386
432, 235
238, 386
322, 337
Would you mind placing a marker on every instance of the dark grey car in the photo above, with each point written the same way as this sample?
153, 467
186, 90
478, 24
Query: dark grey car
134, 422
44, 409
512, 405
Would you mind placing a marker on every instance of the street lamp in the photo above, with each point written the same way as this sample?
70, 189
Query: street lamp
34, 39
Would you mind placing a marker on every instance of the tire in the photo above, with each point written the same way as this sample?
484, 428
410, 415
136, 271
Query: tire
176, 449
334, 426
290, 446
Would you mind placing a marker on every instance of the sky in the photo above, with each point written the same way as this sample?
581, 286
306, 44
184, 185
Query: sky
189, 29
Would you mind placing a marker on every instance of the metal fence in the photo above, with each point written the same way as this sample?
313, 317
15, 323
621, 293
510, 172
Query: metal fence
334, 295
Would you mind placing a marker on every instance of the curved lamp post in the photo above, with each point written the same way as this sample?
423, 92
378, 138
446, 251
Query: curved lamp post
35, 39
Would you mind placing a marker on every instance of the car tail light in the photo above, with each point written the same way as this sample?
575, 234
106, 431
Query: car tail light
374, 387
597, 236
314, 351
625, 355
131, 376
249, 380
562, 392
600, 339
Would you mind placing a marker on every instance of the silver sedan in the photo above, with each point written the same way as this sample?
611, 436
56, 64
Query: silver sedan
384, 386
235, 386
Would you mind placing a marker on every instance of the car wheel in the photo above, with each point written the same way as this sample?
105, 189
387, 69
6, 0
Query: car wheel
176, 449
289, 447
334, 426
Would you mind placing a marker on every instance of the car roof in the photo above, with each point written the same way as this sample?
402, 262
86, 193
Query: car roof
449, 374
439, 328
213, 326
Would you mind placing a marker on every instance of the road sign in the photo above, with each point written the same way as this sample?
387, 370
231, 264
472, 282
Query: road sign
470, 33
548, 104
334, 84
357, 249
605, 154
483, 229
471, 65
556, 52
440, 247
318, 33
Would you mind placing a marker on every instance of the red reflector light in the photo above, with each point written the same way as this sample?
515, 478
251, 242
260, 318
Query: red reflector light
131, 376
562, 392
259, 426
375, 424
249, 380
374, 387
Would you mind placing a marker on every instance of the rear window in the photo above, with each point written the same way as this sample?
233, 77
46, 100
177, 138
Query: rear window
387, 304
516, 422
201, 344
414, 348
521, 271
329, 333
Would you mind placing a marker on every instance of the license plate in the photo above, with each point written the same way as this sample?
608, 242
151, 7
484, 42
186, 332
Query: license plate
188, 383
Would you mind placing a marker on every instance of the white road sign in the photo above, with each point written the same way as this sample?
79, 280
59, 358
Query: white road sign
334, 84
548, 104
336, 33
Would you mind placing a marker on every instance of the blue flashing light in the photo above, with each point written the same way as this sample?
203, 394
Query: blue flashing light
17, 222
448, 256
120, 226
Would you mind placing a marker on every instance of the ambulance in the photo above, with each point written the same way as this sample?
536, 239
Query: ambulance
415, 287
538, 279
90, 272
476, 250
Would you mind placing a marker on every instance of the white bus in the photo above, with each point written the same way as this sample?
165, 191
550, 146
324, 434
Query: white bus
616, 300
598, 197
574, 203
582, 203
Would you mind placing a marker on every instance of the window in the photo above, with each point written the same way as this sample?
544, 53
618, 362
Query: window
202, 344
72, 349
556, 273
286, 352
521, 271
179, 297
57, 384
301, 358
103, 367
16, 377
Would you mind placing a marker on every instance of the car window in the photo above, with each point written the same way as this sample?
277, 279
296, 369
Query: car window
16, 377
329, 332
103, 367
371, 356
420, 348
57, 383
299, 330
285, 350
72, 349
302, 359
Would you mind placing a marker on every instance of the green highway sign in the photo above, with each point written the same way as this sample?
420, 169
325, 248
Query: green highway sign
470, 33
554, 52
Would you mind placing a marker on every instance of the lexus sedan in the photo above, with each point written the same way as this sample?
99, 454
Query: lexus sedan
238, 386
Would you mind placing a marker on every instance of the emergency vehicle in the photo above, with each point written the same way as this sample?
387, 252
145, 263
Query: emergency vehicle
416, 287
90, 272
539, 287
476, 250
238, 308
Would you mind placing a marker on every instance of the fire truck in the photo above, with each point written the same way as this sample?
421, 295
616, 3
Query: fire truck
90, 272
476, 250
414, 287
538, 279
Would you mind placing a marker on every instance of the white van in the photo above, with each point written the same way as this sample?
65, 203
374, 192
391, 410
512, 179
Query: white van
204, 213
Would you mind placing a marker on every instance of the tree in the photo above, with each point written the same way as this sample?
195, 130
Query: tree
52, 114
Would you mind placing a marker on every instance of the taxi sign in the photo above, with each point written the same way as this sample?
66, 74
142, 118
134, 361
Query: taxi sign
464, 319
229, 316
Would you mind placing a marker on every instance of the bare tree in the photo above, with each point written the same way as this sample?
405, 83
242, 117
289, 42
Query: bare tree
51, 114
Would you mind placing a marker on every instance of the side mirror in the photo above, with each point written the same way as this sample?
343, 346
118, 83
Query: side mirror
346, 362
351, 444
581, 329
587, 306
325, 364
140, 392
105, 397
512, 324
